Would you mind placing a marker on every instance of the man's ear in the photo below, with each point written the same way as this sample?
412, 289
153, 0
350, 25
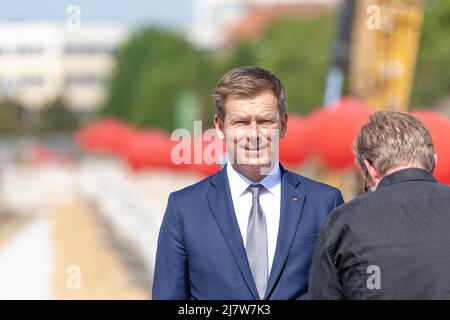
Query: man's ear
218, 124
373, 172
284, 121
435, 163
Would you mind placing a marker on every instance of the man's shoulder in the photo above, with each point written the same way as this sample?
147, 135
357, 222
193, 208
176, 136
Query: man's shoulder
356, 208
311, 185
384, 201
202, 186
397, 194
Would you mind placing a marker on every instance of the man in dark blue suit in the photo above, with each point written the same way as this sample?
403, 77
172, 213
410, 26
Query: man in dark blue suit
248, 231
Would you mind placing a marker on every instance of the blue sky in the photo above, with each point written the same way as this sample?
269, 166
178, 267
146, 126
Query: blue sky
172, 13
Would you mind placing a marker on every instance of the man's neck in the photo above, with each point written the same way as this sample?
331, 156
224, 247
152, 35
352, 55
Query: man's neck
398, 168
253, 173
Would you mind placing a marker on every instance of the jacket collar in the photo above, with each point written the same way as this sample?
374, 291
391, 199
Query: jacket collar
287, 176
239, 184
404, 175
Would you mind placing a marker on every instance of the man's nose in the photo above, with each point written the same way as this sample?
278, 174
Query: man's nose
253, 131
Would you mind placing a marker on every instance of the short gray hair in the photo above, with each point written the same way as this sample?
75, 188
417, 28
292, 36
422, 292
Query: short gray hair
248, 82
394, 138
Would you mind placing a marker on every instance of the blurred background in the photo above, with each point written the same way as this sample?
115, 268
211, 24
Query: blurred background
90, 92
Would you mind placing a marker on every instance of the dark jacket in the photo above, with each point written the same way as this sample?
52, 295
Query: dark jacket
393, 243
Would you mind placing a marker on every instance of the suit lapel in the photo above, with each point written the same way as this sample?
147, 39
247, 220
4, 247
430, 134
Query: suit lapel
292, 201
221, 206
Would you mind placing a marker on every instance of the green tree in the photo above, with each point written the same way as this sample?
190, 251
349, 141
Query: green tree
128, 73
56, 118
432, 80
155, 69
298, 51
10, 118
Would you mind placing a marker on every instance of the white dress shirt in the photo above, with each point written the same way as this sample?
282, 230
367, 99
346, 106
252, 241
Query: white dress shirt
269, 199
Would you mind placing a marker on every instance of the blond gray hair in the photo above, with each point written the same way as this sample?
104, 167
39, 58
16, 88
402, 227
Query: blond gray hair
392, 139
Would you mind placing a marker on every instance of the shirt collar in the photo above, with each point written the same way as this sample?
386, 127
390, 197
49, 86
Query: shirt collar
409, 174
239, 184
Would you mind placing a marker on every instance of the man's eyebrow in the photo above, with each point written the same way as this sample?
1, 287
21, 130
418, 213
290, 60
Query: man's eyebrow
271, 113
264, 114
239, 116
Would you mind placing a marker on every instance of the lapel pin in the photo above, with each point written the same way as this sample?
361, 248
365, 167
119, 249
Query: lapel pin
294, 198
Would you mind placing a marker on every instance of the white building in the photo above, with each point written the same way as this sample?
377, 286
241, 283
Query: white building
213, 19
40, 62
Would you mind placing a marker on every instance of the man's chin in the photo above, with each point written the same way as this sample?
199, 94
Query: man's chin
256, 162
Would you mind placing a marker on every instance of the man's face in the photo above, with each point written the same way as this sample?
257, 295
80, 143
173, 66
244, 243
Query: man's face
252, 128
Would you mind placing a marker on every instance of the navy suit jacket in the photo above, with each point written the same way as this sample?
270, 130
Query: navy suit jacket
201, 254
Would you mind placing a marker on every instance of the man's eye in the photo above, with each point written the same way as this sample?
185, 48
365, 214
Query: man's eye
241, 123
266, 121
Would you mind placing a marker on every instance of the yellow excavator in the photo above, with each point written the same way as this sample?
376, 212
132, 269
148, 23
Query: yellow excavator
377, 42
376, 47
